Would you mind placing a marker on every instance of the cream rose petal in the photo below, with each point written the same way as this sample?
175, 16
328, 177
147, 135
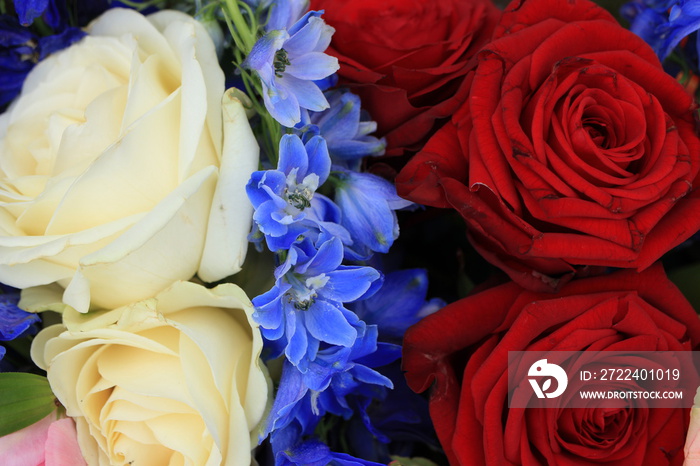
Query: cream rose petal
37, 260
122, 177
231, 212
165, 245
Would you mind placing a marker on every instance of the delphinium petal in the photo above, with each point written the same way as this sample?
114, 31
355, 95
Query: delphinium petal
284, 13
347, 130
21, 49
368, 203
14, 322
663, 24
399, 303
308, 300
288, 61
28, 10
335, 375
280, 197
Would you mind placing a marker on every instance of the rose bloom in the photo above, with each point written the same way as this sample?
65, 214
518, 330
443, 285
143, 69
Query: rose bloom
407, 59
692, 440
176, 379
463, 349
113, 166
574, 149
48, 442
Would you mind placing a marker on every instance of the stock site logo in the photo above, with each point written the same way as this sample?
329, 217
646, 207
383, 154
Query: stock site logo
546, 372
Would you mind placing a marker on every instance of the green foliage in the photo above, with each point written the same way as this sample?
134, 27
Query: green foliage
24, 400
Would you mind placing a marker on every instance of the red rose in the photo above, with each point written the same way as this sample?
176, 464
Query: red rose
463, 349
574, 148
407, 59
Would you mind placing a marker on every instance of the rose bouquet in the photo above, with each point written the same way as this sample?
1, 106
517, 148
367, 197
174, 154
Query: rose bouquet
284, 232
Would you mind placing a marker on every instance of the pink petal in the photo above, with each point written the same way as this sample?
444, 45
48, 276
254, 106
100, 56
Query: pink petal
62, 444
26, 446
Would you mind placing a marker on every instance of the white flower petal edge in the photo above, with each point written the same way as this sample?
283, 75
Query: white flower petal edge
231, 214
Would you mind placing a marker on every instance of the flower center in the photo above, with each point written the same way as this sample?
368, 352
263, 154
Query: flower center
299, 196
303, 292
281, 62
598, 134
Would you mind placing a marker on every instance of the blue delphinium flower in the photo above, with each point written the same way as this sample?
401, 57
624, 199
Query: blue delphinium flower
285, 13
28, 10
56, 14
324, 221
337, 372
305, 307
399, 303
14, 322
368, 203
663, 24
347, 130
393, 425
684, 19
321, 223
17, 57
280, 197
344, 378
333, 378
21, 49
288, 62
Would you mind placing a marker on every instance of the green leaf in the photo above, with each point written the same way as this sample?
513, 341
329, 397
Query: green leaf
24, 400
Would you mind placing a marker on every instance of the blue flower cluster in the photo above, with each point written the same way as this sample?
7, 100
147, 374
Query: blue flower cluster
664, 24
324, 219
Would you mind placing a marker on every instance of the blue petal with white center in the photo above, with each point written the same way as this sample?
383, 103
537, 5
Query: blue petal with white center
280, 197
288, 61
306, 305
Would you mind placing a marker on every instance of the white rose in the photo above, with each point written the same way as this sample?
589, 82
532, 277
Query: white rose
175, 379
112, 168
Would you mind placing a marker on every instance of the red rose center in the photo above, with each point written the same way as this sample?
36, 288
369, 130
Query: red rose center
597, 134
